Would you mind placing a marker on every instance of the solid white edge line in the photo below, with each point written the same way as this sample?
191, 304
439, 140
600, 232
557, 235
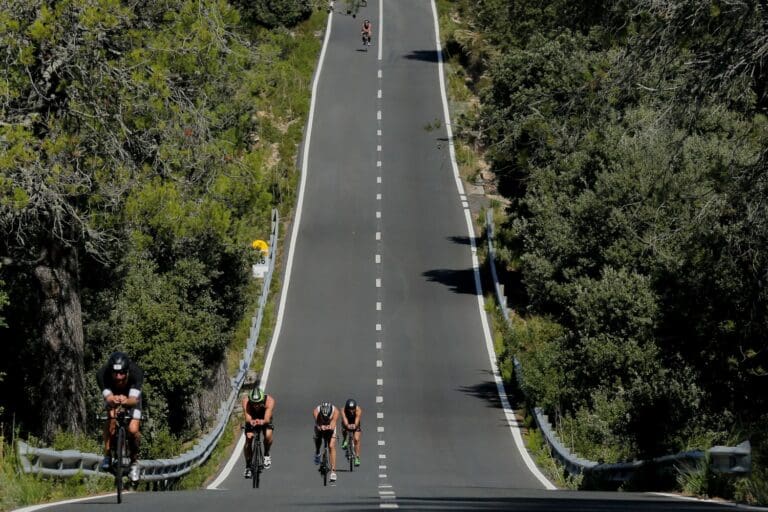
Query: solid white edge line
508, 412
42, 506
289, 265
381, 27
739, 506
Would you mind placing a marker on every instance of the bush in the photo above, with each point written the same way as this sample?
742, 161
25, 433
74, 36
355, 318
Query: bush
275, 13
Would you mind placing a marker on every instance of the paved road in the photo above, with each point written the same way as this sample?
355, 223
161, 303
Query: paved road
382, 307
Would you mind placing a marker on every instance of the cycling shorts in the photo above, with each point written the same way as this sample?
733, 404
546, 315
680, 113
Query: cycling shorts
324, 433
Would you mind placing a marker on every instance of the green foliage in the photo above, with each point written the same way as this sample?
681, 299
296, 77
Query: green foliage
3, 303
274, 13
18, 489
630, 141
162, 156
70, 441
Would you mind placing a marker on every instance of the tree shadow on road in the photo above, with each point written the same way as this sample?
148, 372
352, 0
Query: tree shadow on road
459, 281
463, 240
485, 390
422, 55
528, 500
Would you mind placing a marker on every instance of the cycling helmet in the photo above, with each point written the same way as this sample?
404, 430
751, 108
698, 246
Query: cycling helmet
351, 404
256, 396
325, 409
118, 362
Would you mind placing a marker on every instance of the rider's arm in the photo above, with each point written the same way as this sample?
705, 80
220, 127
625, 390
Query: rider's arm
334, 418
248, 417
344, 420
135, 381
268, 410
358, 415
104, 385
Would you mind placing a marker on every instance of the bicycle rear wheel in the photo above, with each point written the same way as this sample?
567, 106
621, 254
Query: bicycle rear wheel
119, 450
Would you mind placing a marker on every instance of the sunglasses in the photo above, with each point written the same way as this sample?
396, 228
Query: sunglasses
119, 372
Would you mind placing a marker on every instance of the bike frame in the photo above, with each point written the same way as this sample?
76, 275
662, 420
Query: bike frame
325, 467
351, 449
118, 447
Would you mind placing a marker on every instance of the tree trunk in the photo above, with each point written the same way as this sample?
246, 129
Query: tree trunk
63, 382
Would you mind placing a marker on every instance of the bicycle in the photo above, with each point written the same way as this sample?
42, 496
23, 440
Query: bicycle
350, 450
118, 448
325, 466
257, 457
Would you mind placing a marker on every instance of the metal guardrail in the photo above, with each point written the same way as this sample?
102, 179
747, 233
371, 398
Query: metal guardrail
735, 460
67, 463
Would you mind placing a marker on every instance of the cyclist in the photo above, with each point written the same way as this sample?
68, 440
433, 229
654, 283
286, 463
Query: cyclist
326, 418
367, 32
351, 423
120, 380
258, 408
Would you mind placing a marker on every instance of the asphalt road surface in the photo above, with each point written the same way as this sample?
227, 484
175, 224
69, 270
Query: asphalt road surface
382, 306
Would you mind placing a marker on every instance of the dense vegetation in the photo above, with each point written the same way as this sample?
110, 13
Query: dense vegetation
143, 145
631, 141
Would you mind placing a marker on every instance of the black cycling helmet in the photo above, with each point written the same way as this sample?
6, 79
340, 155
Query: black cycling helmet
118, 362
351, 404
257, 396
325, 409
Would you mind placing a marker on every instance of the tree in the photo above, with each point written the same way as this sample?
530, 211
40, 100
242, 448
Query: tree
63, 170
101, 100
275, 13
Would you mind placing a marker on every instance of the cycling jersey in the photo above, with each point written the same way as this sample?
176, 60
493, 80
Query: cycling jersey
324, 421
351, 417
131, 387
257, 412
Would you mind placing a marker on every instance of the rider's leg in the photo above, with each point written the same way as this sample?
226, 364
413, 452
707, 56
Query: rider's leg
134, 439
247, 450
332, 449
357, 443
109, 430
267, 441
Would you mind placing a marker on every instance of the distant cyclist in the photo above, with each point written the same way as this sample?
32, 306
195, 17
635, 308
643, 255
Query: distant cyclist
366, 32
258, 408
351, 423
326, 418
120, 381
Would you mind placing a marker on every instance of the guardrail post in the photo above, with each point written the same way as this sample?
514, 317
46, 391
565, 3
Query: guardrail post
731, 459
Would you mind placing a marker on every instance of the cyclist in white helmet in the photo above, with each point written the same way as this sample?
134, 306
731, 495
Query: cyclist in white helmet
326, 418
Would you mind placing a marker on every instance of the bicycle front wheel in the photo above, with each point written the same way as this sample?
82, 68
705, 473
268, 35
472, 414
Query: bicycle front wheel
324, 467
351, 451
256, 461
119, 450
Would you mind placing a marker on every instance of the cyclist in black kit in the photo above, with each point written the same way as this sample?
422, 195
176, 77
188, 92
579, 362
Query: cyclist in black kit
258, 408
120, 380
350, 420
326, 418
